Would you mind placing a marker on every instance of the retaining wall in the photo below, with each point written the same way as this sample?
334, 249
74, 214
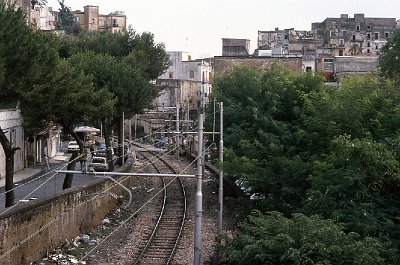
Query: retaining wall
28, 231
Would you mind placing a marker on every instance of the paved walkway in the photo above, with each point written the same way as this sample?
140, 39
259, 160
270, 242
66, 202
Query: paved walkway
34, 170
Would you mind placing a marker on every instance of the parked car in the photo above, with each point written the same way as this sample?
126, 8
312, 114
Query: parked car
73, 146
100, 153
160, 143
103, 153
98, 164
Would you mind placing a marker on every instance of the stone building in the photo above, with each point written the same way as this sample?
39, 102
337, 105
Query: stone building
90, 20
235, 47
357, 36
321, 48
345, 36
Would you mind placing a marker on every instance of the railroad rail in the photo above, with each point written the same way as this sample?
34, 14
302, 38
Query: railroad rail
160, 244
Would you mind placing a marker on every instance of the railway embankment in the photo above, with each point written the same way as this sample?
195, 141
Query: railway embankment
30, 230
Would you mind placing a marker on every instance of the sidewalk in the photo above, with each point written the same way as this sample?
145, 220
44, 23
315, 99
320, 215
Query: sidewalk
37, 169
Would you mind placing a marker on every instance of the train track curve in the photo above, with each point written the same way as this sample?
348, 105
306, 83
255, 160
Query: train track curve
160, 243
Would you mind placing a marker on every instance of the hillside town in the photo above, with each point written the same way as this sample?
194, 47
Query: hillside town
336, 47
310, 117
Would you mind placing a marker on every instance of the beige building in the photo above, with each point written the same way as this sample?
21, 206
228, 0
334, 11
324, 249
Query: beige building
90, 20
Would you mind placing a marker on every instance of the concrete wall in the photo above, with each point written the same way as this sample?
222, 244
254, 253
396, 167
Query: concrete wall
11, 121
29, 230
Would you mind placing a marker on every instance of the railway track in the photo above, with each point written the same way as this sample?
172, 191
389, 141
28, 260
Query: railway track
161, 239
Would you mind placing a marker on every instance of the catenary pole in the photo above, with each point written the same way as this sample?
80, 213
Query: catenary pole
221, 173
123, 137
199, 195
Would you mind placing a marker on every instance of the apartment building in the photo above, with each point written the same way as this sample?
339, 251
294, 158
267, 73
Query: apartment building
344, 36
360, 38
186, 86
199, 72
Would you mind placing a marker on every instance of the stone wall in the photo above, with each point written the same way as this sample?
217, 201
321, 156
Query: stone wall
28, 231
225, 64
345, 66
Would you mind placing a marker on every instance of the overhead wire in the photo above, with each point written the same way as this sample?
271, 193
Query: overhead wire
38, 231
139, 209
85, 202
49, 180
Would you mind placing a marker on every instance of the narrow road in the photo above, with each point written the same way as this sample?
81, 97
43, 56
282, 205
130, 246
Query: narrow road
53, 185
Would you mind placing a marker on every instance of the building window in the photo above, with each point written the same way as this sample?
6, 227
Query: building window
376, 47
286, 37
358, 27
386, 35
77, 19
368, 44
354, 37
171, 75
369, 36
115, 22
369, 27
368, 51
191, 74
377, 35
340, 52
92, 20
341, 42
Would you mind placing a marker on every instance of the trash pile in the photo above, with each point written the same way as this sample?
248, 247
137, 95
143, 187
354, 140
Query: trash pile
65, 254
70, 251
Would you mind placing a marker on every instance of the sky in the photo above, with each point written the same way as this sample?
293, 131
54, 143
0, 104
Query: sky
199, 26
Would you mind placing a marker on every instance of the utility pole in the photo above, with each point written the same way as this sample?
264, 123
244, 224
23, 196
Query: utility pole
123, 137
221, 173
199, 196
136, 118
177, 130
130, 130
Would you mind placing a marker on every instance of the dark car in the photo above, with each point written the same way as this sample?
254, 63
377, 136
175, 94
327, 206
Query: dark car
161, 143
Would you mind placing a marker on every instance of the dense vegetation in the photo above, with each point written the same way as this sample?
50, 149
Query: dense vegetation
324, 162
63, 81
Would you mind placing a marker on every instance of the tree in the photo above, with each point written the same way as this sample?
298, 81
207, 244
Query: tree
263, 134
66, 20
389, 58
275, 239
305, 147
139, 50
38, 3
357, 163
27, 60
67, 98
131, 90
